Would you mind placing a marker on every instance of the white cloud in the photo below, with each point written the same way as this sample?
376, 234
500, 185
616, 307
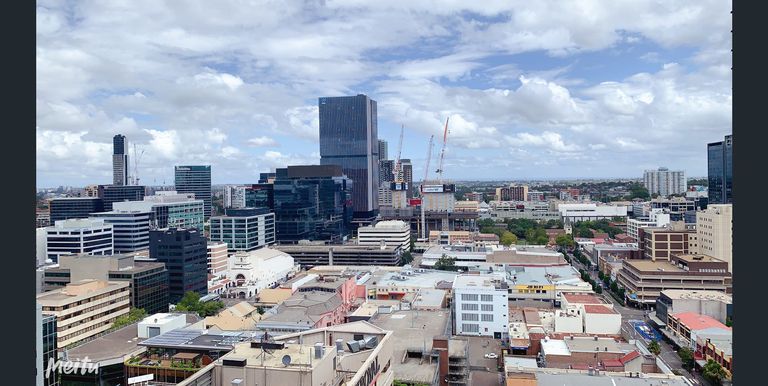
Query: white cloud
547, 140
262, 142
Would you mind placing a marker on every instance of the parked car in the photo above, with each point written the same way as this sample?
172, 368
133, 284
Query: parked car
491, 356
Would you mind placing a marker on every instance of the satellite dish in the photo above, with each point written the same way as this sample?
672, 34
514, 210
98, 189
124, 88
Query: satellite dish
286, 360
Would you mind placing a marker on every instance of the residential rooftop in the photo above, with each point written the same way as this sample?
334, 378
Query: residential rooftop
595, 309
698, 295
578, 298
696, 321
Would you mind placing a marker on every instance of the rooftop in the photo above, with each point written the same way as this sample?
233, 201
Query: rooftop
689, 258
189, 339
300, 355
578, 298
485, 281
595, 309
649, 265
554, 347
698, 295
584, 379
589, 344
110, 347
696, 321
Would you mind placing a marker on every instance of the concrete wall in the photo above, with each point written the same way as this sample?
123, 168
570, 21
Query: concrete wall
602, 323
572, 323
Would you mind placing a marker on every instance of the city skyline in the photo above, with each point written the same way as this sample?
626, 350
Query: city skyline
538, 91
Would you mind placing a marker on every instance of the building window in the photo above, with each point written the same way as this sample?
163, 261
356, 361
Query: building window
470, 317
486, 298
486, 317
485, 307
469, 297
470, 327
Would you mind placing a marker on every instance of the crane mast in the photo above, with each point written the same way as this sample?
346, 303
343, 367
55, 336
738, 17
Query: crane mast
426, 175
442, 151
429, 158
396, 171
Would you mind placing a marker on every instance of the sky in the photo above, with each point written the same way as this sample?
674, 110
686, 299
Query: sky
533, 89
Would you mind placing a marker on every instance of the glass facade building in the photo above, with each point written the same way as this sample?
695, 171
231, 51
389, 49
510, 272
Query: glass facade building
185, 256
130, 229
349, 138
119, 161
110, 194
312, 203
720, 171
149, 286
49, 349
197, 180
244, 229
260, 196
74, 207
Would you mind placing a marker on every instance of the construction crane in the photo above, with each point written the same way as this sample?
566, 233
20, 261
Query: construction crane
396, 171
424, 181
136, 159
439, 170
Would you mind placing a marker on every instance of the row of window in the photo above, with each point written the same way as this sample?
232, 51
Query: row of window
477, 317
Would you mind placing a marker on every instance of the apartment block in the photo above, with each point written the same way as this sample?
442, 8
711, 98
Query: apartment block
714, 226
481, 305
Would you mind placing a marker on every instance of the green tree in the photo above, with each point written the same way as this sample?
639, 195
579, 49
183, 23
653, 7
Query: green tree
714, 372
536, 236
507, 238
260, 310
638, 191
565, 241
406, 258
600, 275
190, 302
686, 357
446, 263
614, 287
729, 321
133, 316
654, 347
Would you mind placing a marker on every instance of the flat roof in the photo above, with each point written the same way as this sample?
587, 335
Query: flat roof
478, 281
650, 265
300, 354
690, 258
698, 295
596, 309
583, 379
578, 298
695, 321
554, 347
426, 279
413, 331
589, 344
114, 345
196, 340
521, 362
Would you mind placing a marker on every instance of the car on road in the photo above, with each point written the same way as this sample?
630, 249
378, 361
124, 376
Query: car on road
491, 356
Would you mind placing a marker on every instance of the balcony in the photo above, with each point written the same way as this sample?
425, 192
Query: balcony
165, 366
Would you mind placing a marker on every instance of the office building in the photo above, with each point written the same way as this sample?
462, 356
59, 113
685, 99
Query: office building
85, 308
714, 227
218, 257
572, 213
678, 208
147, 281
119, 161
644, 280
395, 233
234, 196
45, 347
111, 194
349, 138
260, 196
244, 229
314, 255
75, 236
195, 179
267, 178
656, 219
438, 197
665, 182
661, 243
720, 171
383, 150
312, 202
481, 305
41, 247
169, 210
184, 252
512, 193
130, 228
385, 194
406, 169
386, 172
74, 207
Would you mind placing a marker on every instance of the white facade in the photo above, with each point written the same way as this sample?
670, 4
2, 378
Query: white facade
255, 270
714, 227
569, 320
481, 305
159, 324
656, 218
170, 209
130, 229
665, 182
234, 196
393, 233
591, 211
218, 258
438, 201
73, 236
41, 242
603, 323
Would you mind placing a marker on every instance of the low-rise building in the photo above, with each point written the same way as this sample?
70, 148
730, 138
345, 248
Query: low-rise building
590, 212
304, 311
481, 305
717, 347
686, 326
85, 308
607, 354
255, 270
644, 279
239, 317
715, 304
314, 255
391, 233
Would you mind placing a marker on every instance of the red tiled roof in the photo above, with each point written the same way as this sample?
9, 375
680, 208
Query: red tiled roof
593, 309
583, 298
696, 321
629, 357
612, 363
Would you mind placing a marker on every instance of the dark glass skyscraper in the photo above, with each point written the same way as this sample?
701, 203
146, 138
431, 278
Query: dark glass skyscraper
720, 171
312, 203
197, 180
119, 161
185, 254
110, 194
74, 207
260, 196
349, 138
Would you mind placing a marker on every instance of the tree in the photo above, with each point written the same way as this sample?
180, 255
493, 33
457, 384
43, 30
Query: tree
446, 263
536, 236
729, 321
406, 258
565, 241
614, 287
191, 303
686, 357
638, 191
714, 372
654, 347
507, 238
133, 316
260, 310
